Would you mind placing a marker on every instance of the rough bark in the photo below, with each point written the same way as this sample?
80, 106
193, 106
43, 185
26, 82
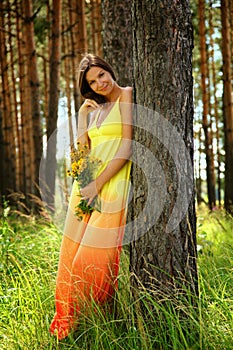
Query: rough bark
53, 100
24, 135
2, 176
227, 105
67, 76
8, 143
216, 103
34, 91
163, 258
78, 39
205, 97
15, 116
117, 38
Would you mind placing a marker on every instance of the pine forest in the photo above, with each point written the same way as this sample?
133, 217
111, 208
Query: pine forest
175, 276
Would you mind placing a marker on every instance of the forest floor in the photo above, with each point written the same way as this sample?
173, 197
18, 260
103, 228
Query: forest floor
29, 251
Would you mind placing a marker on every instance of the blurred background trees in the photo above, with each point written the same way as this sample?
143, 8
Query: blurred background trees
41, 44
212, 70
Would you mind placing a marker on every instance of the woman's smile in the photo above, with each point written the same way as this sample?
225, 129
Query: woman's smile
99, 80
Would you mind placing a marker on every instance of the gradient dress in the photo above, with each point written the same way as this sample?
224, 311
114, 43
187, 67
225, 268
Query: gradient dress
90, 249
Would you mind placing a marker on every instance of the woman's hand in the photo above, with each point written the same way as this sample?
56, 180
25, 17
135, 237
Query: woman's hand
87, 107
89, 192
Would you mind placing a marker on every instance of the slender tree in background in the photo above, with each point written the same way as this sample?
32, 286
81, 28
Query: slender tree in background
34, 93
163, 261
215, 99
117, 38
55, 57
206, 112
25, 134
2, 177
94, 26
78, 41
227, 104
67, 46
7, 141
15, 114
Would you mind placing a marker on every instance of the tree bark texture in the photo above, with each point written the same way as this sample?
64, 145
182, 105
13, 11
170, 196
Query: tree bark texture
206, 110
7, 141
216, 103
34, 89
117, 38
164, 257
227, 104
24, 135
53, 99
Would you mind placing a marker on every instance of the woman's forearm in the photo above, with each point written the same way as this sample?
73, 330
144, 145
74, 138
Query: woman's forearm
87, 107
121, 157
82, 136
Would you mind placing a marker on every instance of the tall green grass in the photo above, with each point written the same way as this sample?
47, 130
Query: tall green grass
29, 254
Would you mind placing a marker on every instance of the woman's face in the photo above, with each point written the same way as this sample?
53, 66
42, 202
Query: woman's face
100, 81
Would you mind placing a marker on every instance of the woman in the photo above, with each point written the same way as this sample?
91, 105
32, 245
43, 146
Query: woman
90, 250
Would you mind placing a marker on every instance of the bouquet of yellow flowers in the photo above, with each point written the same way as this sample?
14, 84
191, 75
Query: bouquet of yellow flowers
83, 169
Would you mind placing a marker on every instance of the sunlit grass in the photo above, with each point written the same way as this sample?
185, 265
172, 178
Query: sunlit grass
29, 255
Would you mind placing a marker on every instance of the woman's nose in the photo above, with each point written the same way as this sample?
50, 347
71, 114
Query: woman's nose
99, 83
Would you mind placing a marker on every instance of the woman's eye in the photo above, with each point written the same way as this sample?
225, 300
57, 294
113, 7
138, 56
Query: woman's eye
101, 74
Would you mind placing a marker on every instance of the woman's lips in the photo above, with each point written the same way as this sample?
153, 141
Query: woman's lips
104, 88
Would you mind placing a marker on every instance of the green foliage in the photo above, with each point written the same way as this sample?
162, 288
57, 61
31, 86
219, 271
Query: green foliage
29, 252
41, 24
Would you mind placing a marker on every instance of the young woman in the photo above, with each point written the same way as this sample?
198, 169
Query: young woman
90, 250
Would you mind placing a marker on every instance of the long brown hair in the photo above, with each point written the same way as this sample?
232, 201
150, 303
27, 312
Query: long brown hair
86, 63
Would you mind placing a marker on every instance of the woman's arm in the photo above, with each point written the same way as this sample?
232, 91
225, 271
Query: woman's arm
123, 154
87, 107
125, 151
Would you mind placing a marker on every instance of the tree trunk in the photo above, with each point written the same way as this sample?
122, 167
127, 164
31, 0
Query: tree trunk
2, 156
163, 253
77, 36
67, 76
227, 105
117, 38
15, 116
53, 102
34, 93
205, 122
199, 181
216, 112
99, 39
24, 135
8, 140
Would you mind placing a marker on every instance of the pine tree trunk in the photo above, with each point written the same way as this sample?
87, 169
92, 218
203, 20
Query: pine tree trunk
216, 113
99, 21
8, 140
205, 98
34, 94
117, 38
53, 101
24, 135
15, 116
163, 256
67, 66
26, 119
227, 105
198, 175
77, 35
2, 156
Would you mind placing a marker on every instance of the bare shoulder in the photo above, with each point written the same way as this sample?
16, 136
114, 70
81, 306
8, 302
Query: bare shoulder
126, 94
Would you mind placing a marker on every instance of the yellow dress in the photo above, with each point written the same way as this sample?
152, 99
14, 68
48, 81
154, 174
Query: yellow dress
90, 250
